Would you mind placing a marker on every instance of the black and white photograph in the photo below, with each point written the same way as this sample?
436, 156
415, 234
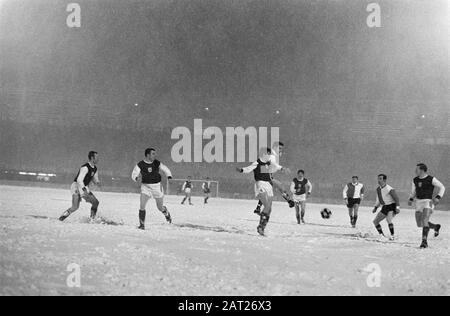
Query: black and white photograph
224, 153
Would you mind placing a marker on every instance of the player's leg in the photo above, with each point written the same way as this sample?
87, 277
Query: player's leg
350, 214
163, 209
355, 214
280, 188
190, 198
297, 213
76, 200
426, 228
91, 199
265, 213
142, 209
377, 222
390, 221
185, 197
303, 210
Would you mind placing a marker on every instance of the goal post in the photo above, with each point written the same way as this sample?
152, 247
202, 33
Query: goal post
174, 186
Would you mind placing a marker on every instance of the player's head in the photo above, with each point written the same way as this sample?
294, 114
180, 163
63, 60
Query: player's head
264, 152
93, 157
421, 169
382, 179
189, 178
150, 154
301, 173
278, 147
355, 179
207, 178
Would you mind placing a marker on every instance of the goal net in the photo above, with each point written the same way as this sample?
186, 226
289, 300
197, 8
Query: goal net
174, 187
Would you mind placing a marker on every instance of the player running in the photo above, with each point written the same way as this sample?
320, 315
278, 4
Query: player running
353, 196
301, 189
263, 186
276, 153
206, 187
187, 189
148, 173
388, 199
422, 192
87, 175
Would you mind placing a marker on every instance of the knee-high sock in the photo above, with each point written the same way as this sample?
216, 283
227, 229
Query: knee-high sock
391, 229
142, 214
431, 225
379, 229
425, 232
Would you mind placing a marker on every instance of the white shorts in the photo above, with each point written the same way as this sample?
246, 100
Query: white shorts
75, 189
187, 190
421, 205
299, 198
153, 190
263, 187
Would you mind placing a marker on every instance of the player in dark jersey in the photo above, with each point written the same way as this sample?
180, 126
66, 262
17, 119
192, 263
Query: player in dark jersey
274, 167
263, 186
187, 190
148, 172
423, 189
207, 189
301, 189
87, 175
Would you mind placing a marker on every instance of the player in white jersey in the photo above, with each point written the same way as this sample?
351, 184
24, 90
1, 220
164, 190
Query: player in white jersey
148, 172
274, 167
206, 187
423, 190
263, 186
388, 199
353, 196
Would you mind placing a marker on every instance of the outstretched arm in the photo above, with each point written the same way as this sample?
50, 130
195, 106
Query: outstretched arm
250, 168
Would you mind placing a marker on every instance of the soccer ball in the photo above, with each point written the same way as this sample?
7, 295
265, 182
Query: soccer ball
326, 213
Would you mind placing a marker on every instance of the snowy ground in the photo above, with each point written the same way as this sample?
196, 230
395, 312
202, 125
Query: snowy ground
209, 250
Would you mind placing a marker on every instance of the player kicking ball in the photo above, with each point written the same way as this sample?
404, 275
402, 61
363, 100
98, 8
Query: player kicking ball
148, 173
388, 199
301, 189
80, 190
275, 153
423, 188
263, 187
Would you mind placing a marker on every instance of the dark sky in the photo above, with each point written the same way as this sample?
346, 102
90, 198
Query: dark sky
240, 56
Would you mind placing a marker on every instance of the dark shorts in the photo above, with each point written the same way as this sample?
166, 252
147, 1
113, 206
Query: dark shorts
352, 202
388, 208
207, 191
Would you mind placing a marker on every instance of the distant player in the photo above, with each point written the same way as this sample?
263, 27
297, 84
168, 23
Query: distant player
187, 190
422, 192
353, 196
87, 174
148, 172
206, 187
301, 189
276, 153
388, 199
263, 187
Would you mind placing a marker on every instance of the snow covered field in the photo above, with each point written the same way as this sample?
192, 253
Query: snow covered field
209, 250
